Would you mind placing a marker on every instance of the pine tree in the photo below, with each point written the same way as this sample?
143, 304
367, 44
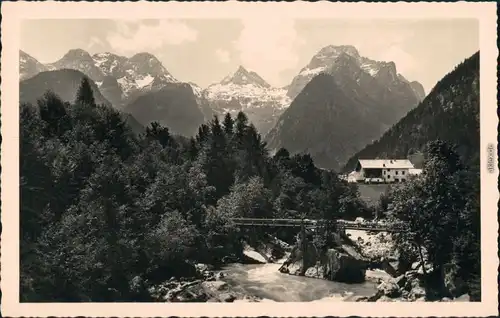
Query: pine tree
228, 125
85, 94
218, 170
241, 126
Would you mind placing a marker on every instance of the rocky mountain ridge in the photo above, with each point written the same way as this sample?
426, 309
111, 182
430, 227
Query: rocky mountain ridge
450, 112
122, 80
328, 58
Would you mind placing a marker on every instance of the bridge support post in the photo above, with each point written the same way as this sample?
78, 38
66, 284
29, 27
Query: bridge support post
303, 246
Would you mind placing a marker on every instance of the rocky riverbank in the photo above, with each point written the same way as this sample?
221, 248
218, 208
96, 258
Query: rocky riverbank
411, 286
206, 287
207, 284
400, 281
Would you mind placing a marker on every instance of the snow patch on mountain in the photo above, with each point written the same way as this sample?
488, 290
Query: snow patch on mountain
370, 68
146, 80
315, 71
250, 95
197, 90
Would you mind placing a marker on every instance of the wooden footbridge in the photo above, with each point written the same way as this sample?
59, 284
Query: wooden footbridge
312, 224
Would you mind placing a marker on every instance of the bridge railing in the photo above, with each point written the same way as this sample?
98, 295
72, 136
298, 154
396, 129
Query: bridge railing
313, 223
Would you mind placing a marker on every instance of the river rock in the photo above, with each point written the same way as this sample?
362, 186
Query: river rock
192, 293
219, 275
292, 267
214, 287
226, 298
463, 298
202, 267
389, 289
253, 257
315, 272
358, 298
416, 292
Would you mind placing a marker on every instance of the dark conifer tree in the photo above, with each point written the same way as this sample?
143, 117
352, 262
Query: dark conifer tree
228, 125
85, 95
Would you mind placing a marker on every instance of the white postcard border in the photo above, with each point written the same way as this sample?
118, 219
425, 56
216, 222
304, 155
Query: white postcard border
14, 12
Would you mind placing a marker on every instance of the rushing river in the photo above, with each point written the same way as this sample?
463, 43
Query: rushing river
265, 281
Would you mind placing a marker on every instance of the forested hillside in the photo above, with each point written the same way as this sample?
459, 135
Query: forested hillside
102, 208
450, 112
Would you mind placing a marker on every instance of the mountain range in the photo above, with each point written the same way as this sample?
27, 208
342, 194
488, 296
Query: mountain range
342, 102
356, 99
450, 112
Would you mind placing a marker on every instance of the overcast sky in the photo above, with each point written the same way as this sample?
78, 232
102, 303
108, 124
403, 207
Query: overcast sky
205, 51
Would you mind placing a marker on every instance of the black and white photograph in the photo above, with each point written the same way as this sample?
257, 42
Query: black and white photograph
246, 160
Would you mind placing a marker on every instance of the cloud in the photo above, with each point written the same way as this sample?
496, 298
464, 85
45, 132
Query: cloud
268, 46
222, 55
405, 63
95, 43
132, 36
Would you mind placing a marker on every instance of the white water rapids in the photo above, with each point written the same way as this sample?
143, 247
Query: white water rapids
265, 281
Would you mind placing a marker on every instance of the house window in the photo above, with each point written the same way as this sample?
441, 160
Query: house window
397, 180
403, 173
388, 169
388, 177
397, 172
384, 172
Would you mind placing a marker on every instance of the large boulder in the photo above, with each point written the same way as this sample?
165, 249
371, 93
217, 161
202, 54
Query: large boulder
344, 266
253, 257
342, 263
292, 268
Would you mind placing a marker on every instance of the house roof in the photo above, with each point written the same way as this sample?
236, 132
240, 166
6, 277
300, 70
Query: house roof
386, 163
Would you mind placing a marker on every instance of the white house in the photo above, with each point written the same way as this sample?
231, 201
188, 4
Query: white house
383, 170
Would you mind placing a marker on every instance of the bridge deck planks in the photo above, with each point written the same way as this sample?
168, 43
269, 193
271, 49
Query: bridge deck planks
312, 224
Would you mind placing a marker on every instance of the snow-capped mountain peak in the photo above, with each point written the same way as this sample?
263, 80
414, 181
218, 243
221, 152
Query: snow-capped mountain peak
141, 72
244, 77
345, 59
246, 91
29, 66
